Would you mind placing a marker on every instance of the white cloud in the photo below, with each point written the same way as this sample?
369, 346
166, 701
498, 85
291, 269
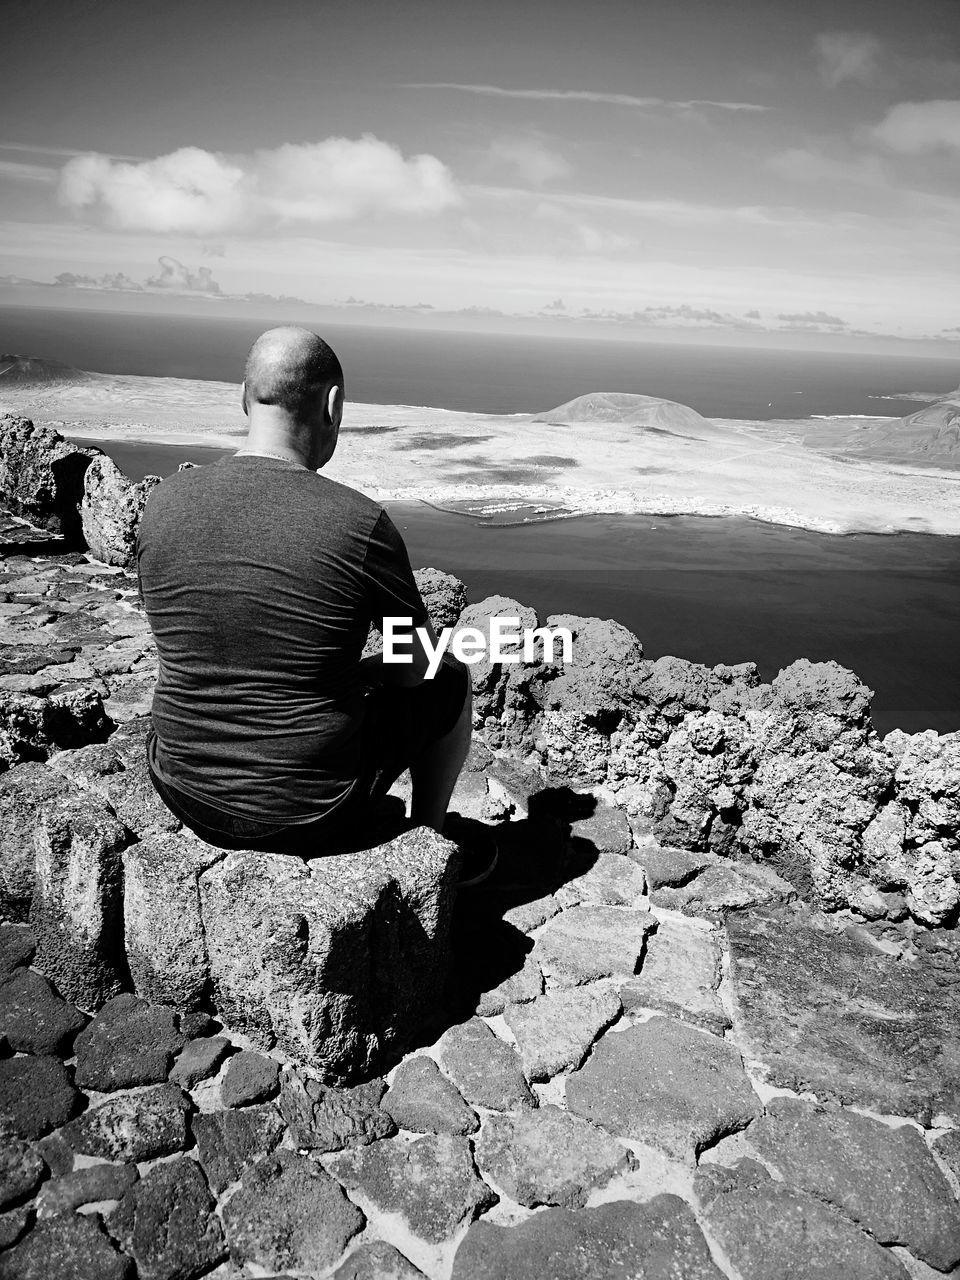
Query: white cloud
921, 126
202, 192
174, 275
582, 235
584, 95
537, 163
847, 55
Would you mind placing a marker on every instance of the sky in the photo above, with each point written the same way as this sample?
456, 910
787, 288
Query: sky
738, 166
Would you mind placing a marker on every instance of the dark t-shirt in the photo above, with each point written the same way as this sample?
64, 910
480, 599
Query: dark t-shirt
260, 580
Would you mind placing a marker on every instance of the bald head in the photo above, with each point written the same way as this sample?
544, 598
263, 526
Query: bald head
291, 369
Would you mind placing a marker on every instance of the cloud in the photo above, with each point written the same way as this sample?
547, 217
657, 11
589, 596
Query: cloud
921, 126
582, 235
18, 171
847, 55
201, 192
584, 95
537, 163
174, 275
813, 320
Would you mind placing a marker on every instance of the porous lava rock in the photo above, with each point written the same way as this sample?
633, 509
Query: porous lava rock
327, 1118
230, 1141
128, 1043
289, 1213
41, 475
140, 1125
484, 1068
548, 1156
34, 1018
431, 1182
666, 1084
421, 1099
36, 1095
658, 1238
66, 1248
167, 1223
825, 1010
110, 511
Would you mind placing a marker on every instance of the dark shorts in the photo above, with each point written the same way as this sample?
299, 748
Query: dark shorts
398, 726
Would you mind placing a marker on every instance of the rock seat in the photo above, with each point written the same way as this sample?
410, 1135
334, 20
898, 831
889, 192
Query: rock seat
335, 961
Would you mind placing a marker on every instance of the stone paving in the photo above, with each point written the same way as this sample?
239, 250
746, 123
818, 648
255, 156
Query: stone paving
647, 1062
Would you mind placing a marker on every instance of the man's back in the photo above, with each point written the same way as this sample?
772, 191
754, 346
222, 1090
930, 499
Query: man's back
260, 579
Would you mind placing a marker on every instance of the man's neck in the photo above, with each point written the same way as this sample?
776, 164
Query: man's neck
281, 455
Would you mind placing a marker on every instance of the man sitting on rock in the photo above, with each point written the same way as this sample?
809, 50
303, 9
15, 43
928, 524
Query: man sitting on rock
260, 579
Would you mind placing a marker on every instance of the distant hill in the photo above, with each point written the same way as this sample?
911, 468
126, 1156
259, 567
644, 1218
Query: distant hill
930, 437
649, 413
26, 370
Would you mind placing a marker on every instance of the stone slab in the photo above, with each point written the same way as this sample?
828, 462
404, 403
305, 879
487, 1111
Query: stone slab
326, 1118
128, 1043
423, 1100
230, 1141
825, 1011
656, 1240
585, 943
666, 1084
555, 1032
548, 1157
167, 1223
36, 1095
431, 1182
140, 1125
680, 975
66, 1248
485, 1069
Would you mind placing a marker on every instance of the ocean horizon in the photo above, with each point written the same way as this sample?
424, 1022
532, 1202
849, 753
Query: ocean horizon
494, 373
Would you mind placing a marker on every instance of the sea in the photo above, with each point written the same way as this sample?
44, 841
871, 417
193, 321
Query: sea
709, 590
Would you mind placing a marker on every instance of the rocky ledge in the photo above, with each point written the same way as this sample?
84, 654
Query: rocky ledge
703, 1022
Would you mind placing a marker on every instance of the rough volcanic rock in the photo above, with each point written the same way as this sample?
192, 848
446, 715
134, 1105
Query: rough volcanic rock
444, 596
485, 1069
883, 1179
587, 943
36, 1095
431, 1182
585, 700
612, 880
502, 702
24, 794
167, 1222
21, 1171
128, 1043
41, 475
229, 1141
67, 1248
665, 1084
555, 1032
423, 1100
377, 1260
198, 1060
914, 842
339, 961
548, 1156
110, 511
658, 1239
163, 929
77, 909
17, 948
772, 1232
680, 975
326, 1118
14, 1222
947, 1147
60, 1157
289, 1213
250, 1077
826, 1011
523, 985
32, 727
607, 829
725, 887
819, 781
91, 1185
33, 1018
139, 1125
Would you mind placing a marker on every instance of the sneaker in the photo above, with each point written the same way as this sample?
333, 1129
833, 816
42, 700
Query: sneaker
478, 849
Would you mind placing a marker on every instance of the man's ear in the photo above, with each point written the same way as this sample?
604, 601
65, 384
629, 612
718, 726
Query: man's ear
335, 405
243, 395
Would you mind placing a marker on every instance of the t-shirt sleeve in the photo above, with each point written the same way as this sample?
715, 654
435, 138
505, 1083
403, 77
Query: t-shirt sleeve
392, 588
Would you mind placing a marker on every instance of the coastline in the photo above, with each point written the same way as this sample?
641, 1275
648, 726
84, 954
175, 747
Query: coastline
794, 473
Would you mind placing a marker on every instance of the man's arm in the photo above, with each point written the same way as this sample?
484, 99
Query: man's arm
404, 674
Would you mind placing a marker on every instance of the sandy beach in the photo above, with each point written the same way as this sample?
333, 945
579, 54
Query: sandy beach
798, 473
